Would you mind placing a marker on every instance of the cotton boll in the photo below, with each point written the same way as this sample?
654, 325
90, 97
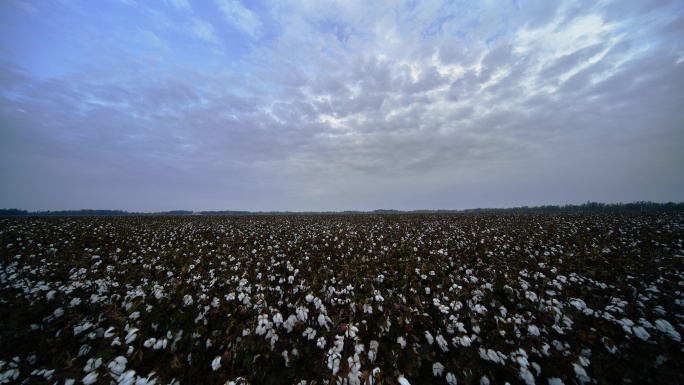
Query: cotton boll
109, 332
526, 376
118, 365
666, 328
216, 363
429, 337
278, 319
536, 367
91, 378
324, 320
160, 344
584, 361
463, 341
309, 333
131, 336
437, 369
92, 364
274, 339
351, 331
581, 373
302, 313
85, 349
521, 357
533, 330
442, 343
321, 343
128, 378
286, 357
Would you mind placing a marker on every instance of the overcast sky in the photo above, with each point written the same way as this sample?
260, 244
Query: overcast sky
336, 105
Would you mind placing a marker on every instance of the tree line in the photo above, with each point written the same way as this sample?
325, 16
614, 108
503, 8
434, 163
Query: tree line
591, 207
86, 213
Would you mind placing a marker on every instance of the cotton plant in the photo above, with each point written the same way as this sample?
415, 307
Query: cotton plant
242, 295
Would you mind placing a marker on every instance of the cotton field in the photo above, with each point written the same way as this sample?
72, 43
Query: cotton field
333, 299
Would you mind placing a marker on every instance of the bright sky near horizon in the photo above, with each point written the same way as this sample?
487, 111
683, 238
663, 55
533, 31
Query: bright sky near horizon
339, 105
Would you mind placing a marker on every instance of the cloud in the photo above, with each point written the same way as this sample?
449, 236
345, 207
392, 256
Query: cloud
152, 40
565, 63
351, 105
179, 5
158, 19
240, 17
203, 30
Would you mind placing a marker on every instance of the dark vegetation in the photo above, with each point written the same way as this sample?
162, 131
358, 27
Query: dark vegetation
589, 207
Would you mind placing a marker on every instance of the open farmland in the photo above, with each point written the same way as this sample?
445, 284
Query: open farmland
491, 298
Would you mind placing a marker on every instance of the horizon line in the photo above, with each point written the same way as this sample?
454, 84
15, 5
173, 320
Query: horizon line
587, 206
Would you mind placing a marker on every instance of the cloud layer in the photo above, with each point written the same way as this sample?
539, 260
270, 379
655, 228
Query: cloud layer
339, 105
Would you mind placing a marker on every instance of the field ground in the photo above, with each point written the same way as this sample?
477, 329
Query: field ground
379, 299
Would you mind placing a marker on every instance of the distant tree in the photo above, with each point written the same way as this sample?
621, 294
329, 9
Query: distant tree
12, 212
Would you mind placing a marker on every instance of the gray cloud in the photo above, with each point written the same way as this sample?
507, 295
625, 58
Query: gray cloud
567, 62
240, 17
429, 106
